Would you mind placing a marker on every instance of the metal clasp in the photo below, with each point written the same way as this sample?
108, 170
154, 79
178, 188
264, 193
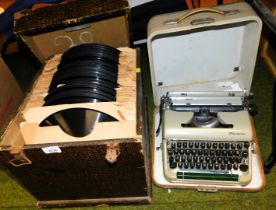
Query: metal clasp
20, 159
211, 189
112, 152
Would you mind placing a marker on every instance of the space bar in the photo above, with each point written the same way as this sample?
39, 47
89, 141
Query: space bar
207, 176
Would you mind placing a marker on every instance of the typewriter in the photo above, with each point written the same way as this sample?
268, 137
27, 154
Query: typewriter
202, 65
206, 137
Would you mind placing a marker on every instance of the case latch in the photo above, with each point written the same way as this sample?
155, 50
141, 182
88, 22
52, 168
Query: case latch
203, 188
112, 152
20, 159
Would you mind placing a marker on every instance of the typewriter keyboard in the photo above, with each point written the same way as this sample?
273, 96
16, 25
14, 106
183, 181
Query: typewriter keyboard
193, 159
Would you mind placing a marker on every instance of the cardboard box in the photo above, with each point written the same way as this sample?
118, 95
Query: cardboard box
10, 94
268, 43
50, 30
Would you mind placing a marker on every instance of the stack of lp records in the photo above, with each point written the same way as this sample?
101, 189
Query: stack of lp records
87, 93
86, 73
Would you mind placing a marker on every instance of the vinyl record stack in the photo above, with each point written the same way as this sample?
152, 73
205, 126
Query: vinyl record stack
87, 73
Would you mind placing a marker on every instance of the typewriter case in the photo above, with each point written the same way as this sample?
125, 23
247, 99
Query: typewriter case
201, 54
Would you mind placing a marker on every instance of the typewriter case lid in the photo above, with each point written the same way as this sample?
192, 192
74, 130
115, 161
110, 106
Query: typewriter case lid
206, 52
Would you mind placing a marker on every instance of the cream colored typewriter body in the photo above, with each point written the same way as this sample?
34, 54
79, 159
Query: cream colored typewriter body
206, 142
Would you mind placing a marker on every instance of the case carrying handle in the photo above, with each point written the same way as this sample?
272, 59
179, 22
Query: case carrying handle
192, 12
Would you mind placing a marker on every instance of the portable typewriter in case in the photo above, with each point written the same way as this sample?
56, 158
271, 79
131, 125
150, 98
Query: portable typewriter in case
202, 65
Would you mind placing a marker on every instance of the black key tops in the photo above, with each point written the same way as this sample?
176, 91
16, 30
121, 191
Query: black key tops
208, 155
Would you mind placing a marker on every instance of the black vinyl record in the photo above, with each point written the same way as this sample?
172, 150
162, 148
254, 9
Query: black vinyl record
91, 50
74, 85
87, 81
92, 47
88, 63
89, 56
62, 78
78, 94
78, 122
99, 69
